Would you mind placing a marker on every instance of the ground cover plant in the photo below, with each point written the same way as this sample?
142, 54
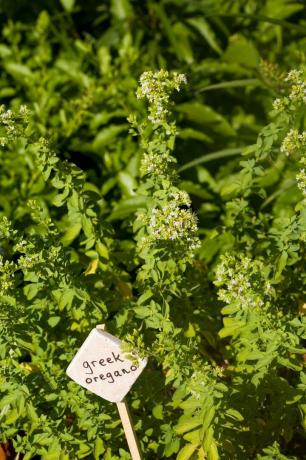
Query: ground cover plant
153, 178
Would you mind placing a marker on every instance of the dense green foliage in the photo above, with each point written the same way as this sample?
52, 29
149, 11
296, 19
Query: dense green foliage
168, 204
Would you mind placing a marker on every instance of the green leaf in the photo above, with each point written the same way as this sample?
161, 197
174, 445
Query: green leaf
232, 329
168, 28
142, 312
289, 364
208, 438
5, 51
54, 454
121, 9
54, 320
87, 226
208, 418
181, 34
193, 436
187, 423
281, 264
233, 413
65, 298
202, 26
190, 133
210, 157
18, 71
98, 448
102, 250
144, 297
281, 9
127, 183
195, 189
232, 84
107, 135
71, 234
68, 5
213, 451
242, 51
31, 412
230, 309
206, 116
31, 289
127, 207
157, 412
61, 198
186, 452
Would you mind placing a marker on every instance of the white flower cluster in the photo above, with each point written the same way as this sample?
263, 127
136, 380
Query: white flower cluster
244, 282
170, 224
293, 142
297, 94
173, 224
301, 177
155, 163
298, 86
180, 197
6, 275
278, 105
157, 88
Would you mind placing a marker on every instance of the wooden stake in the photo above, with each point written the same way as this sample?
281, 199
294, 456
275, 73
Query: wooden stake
127, 423
129, 430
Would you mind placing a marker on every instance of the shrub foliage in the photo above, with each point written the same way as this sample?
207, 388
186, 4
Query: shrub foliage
153, 177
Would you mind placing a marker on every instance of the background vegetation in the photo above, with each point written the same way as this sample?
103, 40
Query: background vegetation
225, 375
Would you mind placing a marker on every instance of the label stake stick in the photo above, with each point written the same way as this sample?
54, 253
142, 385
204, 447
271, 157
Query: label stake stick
129, 430
127, 423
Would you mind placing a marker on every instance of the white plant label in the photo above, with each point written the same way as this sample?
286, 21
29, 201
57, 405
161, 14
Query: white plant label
101, 367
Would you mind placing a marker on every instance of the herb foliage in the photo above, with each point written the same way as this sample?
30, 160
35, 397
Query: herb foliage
169, 204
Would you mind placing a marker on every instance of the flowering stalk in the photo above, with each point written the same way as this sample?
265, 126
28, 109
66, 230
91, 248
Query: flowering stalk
166, 231
167, 228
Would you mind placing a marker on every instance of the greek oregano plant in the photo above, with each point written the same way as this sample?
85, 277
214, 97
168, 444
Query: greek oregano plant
220, 314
